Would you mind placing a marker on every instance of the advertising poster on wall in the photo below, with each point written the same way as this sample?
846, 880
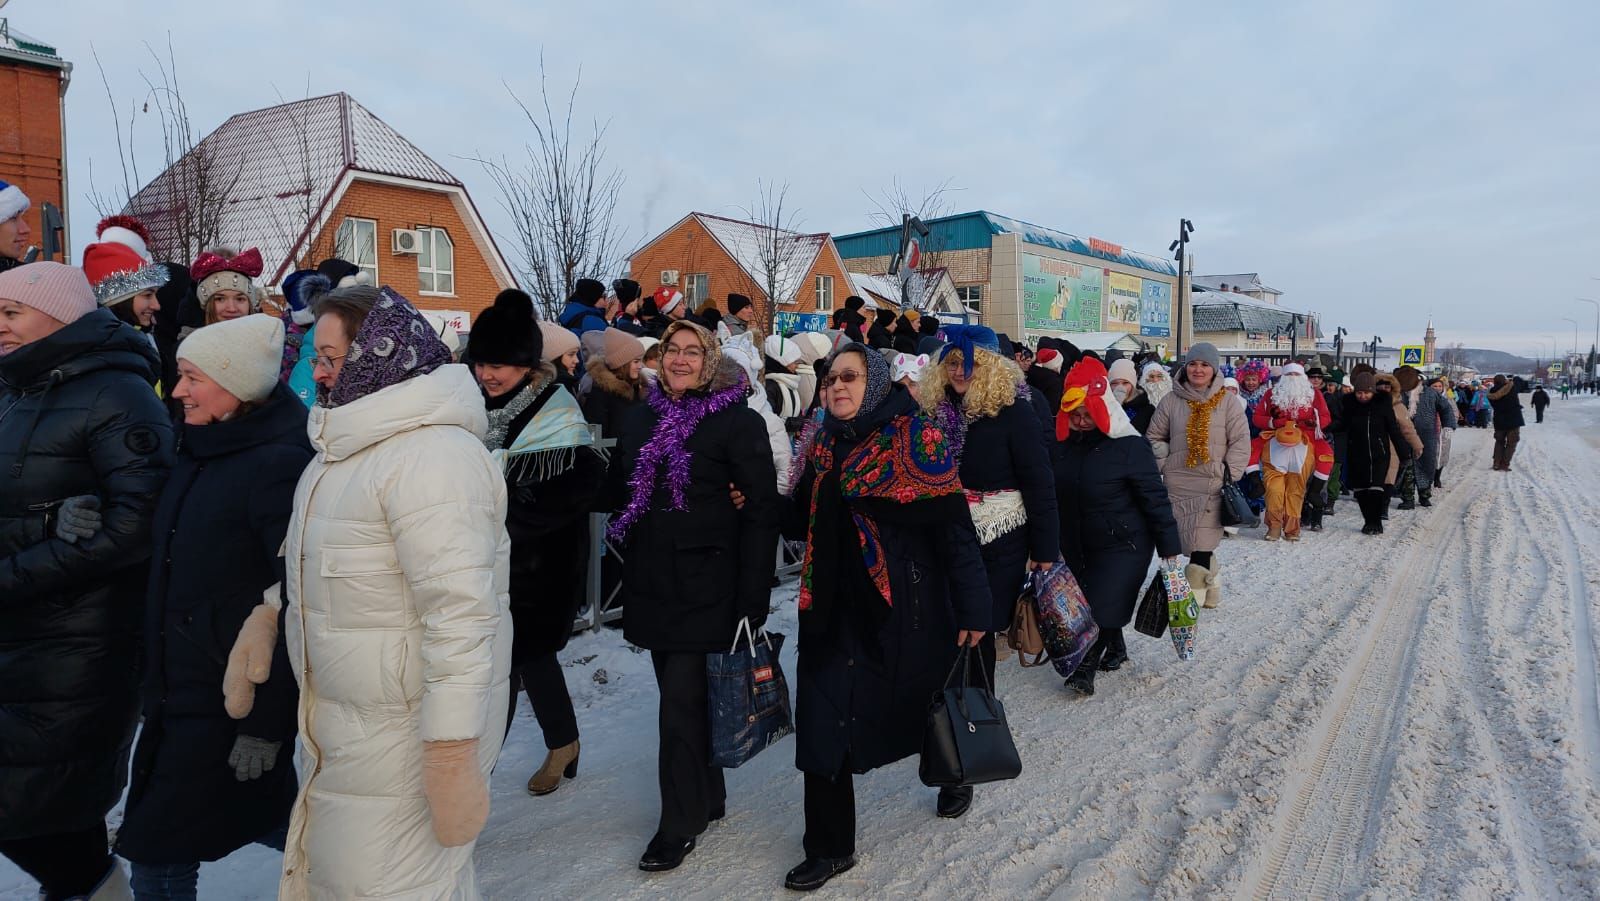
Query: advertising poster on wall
1122, 302
1059, 295
786, 323
1155, 309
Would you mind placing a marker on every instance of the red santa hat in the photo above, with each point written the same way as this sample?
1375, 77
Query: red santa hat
127, 231
117, 272
1049, 358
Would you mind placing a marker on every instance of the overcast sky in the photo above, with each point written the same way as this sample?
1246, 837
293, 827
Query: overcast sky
1375, 161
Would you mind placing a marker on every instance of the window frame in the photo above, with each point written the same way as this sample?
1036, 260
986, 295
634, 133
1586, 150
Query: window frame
817, 286
689, 297
340, 252
431, 234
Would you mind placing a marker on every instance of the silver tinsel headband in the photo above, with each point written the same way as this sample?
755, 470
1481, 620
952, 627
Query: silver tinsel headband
120, 286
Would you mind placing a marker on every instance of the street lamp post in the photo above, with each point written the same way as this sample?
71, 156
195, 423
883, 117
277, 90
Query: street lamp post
1595, 348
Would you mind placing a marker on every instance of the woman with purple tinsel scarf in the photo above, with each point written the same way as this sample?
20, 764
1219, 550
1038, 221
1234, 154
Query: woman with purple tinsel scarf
695, 563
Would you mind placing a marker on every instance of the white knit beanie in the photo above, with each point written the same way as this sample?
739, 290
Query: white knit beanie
242, 355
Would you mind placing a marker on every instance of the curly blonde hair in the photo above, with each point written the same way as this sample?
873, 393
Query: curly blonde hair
995, 381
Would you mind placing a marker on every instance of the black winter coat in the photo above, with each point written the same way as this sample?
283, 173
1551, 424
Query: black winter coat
1507, 406
1140, 411
218, 528
1047, 383
78, 416
866, 672
1371, 432
689, 575
609, 402
1114, 513
1004, 452
1541, 398
547, 518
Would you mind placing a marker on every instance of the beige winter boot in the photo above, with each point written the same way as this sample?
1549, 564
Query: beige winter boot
562, 761
1213, 587
1197, 576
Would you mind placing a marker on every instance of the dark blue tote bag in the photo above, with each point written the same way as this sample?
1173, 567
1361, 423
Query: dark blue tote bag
748, 697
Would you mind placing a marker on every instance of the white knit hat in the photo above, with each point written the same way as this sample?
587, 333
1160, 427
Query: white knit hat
242, 355
782, 349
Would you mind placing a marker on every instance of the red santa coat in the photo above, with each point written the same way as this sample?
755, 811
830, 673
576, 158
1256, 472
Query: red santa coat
1312, 419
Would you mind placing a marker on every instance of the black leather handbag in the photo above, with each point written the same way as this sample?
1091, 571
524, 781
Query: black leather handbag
1235, 508
967, 741
1152, 617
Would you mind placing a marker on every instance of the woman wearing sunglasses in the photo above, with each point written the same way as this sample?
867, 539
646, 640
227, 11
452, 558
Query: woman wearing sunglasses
695, 564
892, 585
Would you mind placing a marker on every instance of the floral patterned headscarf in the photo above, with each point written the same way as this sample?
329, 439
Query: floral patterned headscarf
393, 344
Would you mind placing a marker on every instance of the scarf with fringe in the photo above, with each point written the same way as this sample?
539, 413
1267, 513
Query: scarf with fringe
550, 443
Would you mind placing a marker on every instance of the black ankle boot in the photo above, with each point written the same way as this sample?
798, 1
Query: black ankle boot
1116, 653
664, 854
814, 872
953, 802
1082, 681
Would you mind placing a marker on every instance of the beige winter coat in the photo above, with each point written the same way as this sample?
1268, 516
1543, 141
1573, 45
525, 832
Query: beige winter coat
399, 633
1403, 415
1196, 492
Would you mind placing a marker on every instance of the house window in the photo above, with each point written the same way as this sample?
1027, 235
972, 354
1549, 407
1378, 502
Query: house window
436, 264
970, 296
356, 241
696, 288
824, 292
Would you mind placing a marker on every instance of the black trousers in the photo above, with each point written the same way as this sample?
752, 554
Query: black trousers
1201, 558
830, 815
1374, 502
66, 864
546, 685
1539, 412
691, 788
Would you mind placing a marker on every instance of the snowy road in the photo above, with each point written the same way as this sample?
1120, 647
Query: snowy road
1409, 716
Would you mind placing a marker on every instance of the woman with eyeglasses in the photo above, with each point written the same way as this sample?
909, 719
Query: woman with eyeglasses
984, 403
398, 624
893, 583
694, 563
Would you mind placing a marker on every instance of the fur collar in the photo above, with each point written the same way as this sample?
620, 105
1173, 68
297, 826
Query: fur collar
1503, 390
611, 383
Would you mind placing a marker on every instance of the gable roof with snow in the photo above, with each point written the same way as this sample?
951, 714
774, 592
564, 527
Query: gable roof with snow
1217, 311
925, 289
1245, 281
747, 243
285, 161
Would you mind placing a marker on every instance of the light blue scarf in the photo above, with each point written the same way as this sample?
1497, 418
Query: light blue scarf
550, 443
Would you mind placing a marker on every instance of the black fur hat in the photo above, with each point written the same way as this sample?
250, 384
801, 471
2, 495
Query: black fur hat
506, 333
737, 302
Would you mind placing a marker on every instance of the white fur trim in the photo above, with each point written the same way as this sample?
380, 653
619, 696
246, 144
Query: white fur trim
127, 237
13, 202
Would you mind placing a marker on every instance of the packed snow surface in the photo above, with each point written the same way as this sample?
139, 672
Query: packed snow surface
1412, 715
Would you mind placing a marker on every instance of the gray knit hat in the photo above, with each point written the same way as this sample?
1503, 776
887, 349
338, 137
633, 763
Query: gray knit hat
1205, 352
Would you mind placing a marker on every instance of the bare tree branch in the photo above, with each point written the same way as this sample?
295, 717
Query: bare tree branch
780, 250
892, 203
561, 199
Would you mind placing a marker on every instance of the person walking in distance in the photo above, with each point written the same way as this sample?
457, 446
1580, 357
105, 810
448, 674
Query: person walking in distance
1507, 411
1540, 400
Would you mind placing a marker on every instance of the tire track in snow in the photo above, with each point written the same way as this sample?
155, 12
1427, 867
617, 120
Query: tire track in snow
1322, 824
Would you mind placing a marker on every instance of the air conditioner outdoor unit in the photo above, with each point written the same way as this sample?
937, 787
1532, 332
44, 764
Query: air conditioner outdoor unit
407, 240
669, 276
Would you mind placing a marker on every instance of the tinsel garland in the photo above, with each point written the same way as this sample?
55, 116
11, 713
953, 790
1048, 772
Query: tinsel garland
1198, 430
666, 448
120, 286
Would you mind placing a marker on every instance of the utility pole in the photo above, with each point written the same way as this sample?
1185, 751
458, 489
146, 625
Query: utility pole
1185, 228
1338, 347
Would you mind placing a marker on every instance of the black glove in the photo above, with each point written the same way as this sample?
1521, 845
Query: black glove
1317, 495
1253, 486
78, 517
251, 757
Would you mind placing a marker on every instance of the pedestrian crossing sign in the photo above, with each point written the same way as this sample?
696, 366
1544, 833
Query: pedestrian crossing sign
1411, 355
1553, 367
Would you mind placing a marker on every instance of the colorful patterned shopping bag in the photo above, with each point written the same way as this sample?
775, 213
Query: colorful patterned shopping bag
1183, 614
1065, 620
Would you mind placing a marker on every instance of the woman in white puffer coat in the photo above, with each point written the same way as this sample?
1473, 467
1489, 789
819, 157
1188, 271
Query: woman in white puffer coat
398, 623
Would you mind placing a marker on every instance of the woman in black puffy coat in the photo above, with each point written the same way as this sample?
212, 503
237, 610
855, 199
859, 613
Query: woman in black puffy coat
208, 780
1114, 512
80, 427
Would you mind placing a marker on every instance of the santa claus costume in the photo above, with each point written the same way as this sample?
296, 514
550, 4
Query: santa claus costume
1290, 456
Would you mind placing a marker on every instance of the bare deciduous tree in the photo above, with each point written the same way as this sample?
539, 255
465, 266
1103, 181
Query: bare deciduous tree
562, 200
781, 248
186, 210
1453, 358
892, 203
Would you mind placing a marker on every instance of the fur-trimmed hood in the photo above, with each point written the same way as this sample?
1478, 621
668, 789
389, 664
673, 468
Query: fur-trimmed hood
607, 380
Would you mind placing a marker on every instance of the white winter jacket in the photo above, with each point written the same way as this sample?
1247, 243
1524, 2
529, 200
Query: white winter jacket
399, 632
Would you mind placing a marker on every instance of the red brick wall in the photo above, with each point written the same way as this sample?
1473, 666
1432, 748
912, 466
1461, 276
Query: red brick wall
688, 248
395, 206
30, 135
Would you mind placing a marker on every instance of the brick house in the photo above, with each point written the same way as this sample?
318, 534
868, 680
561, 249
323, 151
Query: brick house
33, 143
325, 177
709, 257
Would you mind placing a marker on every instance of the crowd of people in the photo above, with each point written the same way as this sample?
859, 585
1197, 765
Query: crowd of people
335, 542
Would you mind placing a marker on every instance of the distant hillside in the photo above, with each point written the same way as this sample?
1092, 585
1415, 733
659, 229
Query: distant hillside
1496, 361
